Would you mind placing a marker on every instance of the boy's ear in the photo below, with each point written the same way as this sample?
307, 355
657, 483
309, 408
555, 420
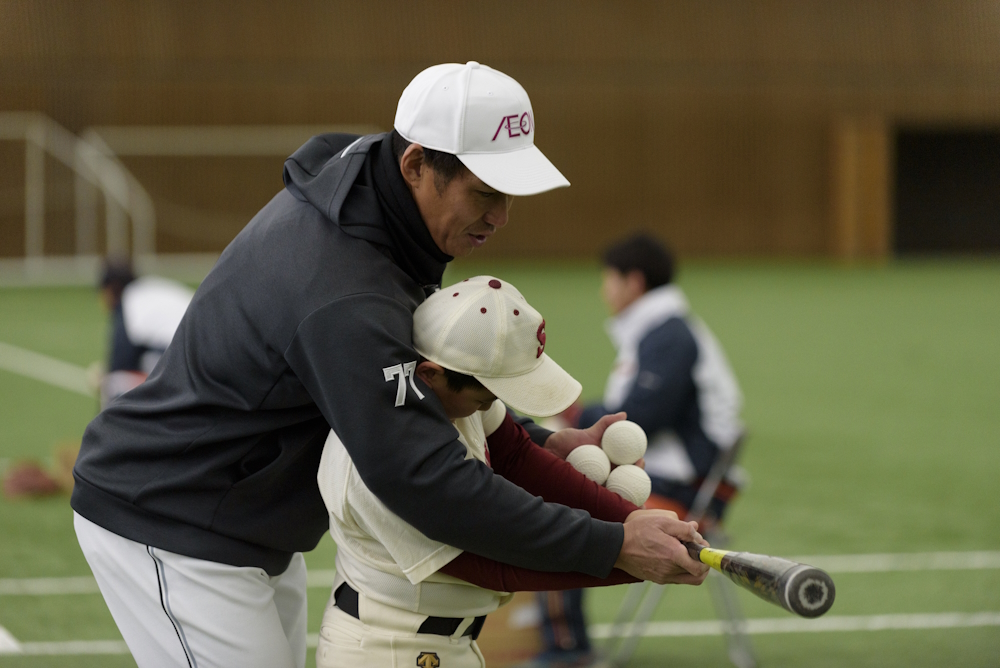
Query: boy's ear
430, 373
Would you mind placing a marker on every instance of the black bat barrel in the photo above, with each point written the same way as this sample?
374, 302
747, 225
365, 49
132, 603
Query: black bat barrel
798, 588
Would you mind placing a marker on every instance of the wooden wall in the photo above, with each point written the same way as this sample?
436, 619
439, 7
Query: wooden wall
730, 128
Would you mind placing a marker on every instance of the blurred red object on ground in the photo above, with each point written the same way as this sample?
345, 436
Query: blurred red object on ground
29, 479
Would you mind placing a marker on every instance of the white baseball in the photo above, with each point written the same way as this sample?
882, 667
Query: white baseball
624, 442
591, 461
631, 483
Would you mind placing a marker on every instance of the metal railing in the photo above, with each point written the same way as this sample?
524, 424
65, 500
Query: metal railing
96, 170
93, 157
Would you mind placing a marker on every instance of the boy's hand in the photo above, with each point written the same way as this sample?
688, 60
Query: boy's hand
564, 441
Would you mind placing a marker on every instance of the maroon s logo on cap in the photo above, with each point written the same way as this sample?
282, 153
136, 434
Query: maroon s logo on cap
540, 335
515, 125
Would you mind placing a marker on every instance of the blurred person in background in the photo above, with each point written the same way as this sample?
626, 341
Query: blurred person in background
145, 312
671, 377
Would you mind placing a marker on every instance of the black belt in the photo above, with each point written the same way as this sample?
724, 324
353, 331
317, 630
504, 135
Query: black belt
346, 599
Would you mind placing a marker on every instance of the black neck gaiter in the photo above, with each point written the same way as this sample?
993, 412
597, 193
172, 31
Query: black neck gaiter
413, 248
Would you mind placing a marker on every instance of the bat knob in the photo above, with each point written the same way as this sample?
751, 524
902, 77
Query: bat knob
809, 592
694, 550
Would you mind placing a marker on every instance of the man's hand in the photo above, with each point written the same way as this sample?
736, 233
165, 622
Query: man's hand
562, 442
652, 549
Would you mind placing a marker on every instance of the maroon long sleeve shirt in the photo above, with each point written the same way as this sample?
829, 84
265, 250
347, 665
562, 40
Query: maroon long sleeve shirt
514, 456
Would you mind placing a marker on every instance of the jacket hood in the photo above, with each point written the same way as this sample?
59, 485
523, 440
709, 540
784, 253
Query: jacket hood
318, 169
352, 182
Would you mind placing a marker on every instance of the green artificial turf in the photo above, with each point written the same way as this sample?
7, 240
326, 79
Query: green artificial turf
870, 393
870, 401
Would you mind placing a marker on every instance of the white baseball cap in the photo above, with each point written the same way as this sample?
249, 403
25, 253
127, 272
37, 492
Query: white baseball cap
482, 116
484, 328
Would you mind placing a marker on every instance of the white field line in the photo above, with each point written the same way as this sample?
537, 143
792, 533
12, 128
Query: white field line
84, 584
320, 577
845, 563
884, 563
944, 620
8, 643
947, 620
74, 647
841, 563
44, 368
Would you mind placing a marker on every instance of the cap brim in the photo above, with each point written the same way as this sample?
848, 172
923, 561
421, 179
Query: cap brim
545, 390
523, 172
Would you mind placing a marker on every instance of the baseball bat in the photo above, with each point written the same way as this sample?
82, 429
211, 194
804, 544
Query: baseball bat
798, 588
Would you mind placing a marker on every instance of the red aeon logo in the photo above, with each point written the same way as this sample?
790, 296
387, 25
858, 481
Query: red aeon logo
540, 335
515, 125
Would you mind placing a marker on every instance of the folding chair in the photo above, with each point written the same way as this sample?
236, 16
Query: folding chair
642, 598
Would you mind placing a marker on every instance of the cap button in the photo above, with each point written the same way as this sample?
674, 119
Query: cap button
495, 284
473, 64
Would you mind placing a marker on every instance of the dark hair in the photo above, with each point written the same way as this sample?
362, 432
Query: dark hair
643, 253
459, 381
446, 166
117, 273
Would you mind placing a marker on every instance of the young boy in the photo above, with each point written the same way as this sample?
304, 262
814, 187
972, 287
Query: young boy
400, 598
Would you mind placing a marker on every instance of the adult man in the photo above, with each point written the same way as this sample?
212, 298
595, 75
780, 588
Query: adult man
672, 378
195, 493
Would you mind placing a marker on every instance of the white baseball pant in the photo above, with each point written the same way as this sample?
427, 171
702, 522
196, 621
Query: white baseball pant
180, 612
387, 639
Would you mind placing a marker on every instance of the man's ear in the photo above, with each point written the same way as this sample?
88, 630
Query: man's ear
411, 164
430, 373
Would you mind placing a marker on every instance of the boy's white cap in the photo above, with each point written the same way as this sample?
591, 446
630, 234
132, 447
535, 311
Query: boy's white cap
482, 116
483, 327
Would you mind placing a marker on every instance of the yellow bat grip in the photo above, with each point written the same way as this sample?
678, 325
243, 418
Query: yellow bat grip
712, 557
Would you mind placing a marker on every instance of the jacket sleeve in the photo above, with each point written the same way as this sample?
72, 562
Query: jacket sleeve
538, 471
663, 384
666, 359
355, 359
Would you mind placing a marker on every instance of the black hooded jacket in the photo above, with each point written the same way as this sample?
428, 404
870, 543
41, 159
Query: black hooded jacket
305, 324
